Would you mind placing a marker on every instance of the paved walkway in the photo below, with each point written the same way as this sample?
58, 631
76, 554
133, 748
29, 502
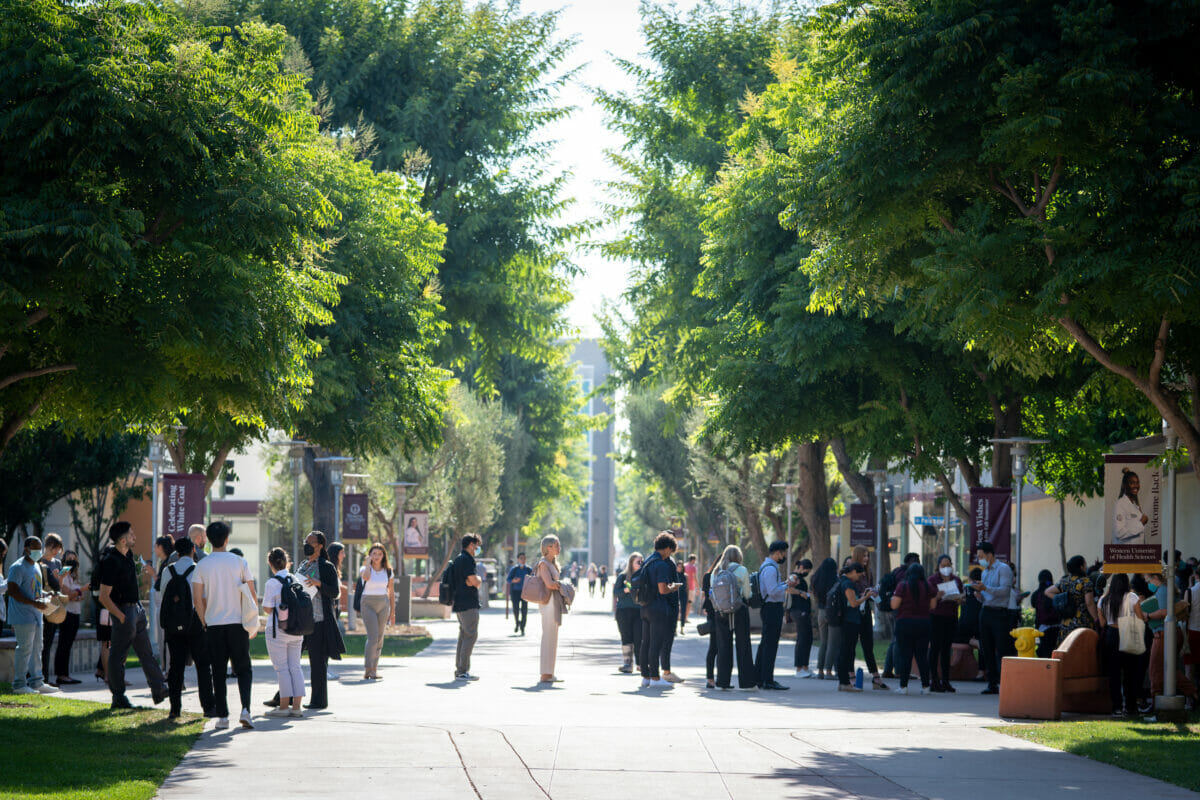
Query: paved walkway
418, 733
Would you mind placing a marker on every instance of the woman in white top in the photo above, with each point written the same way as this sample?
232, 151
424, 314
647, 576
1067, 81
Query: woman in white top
1129, 521
378, 606
1124, 669
69, 580
282, 647
552, 611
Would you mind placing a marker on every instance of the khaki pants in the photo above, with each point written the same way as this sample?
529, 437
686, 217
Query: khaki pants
549, 638
374, 616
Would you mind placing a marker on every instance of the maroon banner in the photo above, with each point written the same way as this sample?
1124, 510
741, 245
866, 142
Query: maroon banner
183, 503
862, 525
991, 520
416, 534
1132, 513
354, 518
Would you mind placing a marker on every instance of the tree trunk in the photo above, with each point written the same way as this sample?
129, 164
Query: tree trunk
1005, 425
1062, 534
862, 486
812, 497
322, 490
749, 513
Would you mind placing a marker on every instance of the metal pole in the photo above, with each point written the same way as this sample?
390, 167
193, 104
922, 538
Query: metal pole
295, 518
1170, 629
152, 620
1017, 540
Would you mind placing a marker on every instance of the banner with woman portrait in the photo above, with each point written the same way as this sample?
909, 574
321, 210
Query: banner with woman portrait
415, 534
1132, 519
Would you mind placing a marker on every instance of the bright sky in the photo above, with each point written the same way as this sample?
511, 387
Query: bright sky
602, 28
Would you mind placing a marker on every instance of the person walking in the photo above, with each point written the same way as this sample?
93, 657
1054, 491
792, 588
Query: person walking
824, 579
1081, 602
684, 600
217, 597
191, 640
554, 608
733, 630
592, 574
67, 631
516, 582
603, 578
995, 587
696, 597
866, 625
466, 605
851, 576
658, 618
283, 647
628, 614
1120, 601
378, 607
913, 601
25, 606
943, 622
119, 594
325, 642
800, 609
774, 588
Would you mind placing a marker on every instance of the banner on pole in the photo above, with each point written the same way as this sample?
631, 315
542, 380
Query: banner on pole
354, 518
991, 520
183, 503
1132, 513
416, 534
862, 525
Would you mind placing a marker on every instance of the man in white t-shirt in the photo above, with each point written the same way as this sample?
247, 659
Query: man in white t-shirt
217, 596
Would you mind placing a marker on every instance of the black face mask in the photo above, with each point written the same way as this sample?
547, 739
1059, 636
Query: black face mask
309, 549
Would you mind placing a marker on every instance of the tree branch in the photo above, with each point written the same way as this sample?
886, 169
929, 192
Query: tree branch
34, 373
863, 489
1160, 351
1097, 351
1044, 199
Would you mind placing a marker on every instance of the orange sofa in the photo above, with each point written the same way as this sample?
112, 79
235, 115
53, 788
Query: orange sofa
1084, 682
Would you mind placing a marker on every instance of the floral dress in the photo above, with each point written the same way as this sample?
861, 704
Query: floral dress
1076, 588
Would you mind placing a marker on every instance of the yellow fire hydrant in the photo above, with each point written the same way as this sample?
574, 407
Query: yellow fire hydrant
1027, 641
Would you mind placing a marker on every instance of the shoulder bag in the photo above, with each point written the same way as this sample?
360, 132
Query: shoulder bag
535, 589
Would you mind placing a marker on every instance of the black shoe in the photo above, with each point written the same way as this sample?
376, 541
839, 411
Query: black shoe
315, 707
158, 695
211, 713
990, 690
937, 688
887, 673
776, 685
120, 702
174, 713
67, 682
947, 688
273, 702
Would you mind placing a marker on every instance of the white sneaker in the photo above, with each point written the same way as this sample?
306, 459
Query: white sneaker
803, 672
671, 677
925, 690
244, 718
466, 676
278, 712
222, 723
46, 688
645, 682
901, 690
25, 690
295, 713
659, 683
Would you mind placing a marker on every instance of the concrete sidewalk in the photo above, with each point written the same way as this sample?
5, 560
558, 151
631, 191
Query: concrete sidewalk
419, 731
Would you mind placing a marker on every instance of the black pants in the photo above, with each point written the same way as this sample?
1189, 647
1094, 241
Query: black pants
710, 657
318, 664
733, 634
683, 611
179, 647
664, 653
912, 640
1124, 672
768, 643
804, 639
62, 656
520, 611
48, 629
1049, 640
629, 623
994, 642
845, 662
941, 646
866, 636
657, 626
229, 644
132, 633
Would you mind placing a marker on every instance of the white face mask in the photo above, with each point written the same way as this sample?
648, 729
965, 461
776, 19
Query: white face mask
947, 571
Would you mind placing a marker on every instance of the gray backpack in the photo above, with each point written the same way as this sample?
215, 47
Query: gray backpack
724, 592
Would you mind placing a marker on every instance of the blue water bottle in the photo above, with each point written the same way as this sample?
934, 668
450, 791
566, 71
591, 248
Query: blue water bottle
858, 678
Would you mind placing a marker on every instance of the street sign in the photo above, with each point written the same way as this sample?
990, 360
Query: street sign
930, 520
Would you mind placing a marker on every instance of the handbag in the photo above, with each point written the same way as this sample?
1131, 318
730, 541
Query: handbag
1132, 633
249, 611
704, 629
534, 590
358, 592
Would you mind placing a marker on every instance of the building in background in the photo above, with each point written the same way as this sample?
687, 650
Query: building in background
600, 511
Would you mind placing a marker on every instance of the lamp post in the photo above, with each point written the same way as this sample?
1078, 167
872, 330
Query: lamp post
336, 466
1021, 446
295, 469
351, 479
403, 579
1169, 702
789, 499
156, 456
882, 563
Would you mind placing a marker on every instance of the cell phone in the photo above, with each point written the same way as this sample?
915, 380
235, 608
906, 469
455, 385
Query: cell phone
64, 570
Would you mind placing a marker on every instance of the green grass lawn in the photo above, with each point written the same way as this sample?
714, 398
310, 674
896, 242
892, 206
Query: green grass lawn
393, 646
74, 749
1162, 750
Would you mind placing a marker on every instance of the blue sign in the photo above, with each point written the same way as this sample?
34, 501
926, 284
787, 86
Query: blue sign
930, 520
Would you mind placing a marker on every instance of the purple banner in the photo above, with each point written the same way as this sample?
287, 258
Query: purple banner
862, 525
183, 503
991, 520
354, 518
1133, 495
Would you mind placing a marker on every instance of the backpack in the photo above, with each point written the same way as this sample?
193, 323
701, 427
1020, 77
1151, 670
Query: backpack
1064, 606
446, 587
176, 612
756, 598
836, 604
724, 593
299, 606
643, 589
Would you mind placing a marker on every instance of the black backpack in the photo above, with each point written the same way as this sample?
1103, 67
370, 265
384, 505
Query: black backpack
836, 604
176, 612
1063, 603
298, 604
644, 589
446, 587
756, 598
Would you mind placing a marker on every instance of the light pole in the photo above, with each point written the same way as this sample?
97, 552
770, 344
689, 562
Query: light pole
403, 579
1169, 701
789, 499
336, 466
882, 562
295, 469
1021, 446
351, 560
156, 456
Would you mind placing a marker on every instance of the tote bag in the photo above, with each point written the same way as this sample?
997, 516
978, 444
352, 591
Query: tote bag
534, 590
1132, 632
249, 611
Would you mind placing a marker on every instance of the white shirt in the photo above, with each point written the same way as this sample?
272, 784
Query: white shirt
1194, 614
1127, 521
218, 578
70, 586
374, 583
270, 600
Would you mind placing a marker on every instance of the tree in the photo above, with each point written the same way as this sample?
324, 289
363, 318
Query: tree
160, 238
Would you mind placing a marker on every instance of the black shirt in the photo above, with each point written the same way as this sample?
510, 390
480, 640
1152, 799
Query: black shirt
800, 605
118, 571
466, 597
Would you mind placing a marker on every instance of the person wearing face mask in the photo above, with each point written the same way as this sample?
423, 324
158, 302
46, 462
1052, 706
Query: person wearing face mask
996, 590
119, 594
325, 642
774, 589
943, 622
25, 606
69, 585
52, 547
466, 605
800, 609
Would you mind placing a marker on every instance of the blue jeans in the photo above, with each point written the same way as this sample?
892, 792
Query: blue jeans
27, 657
